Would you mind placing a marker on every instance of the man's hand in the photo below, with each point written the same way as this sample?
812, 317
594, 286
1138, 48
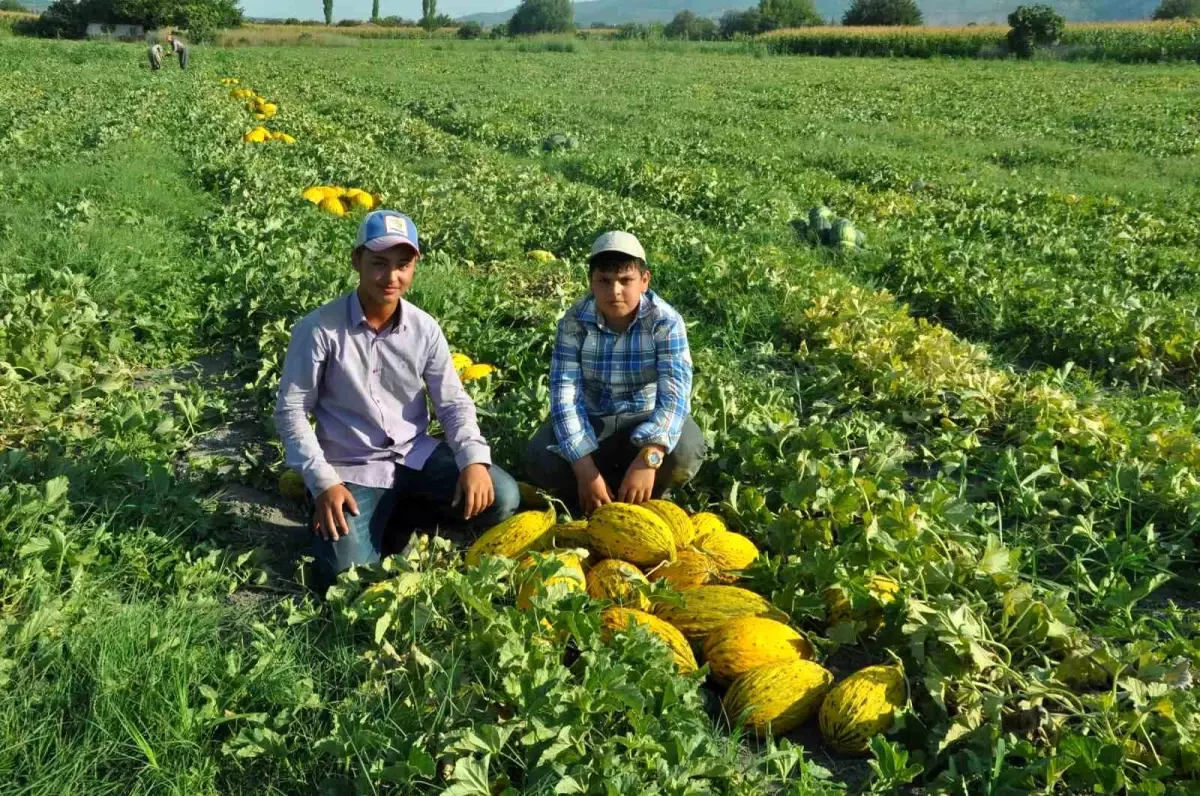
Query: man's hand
475, 491
329, 521
638, 485
593, 490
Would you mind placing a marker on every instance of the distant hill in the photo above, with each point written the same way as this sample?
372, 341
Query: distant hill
937, 12
616, 12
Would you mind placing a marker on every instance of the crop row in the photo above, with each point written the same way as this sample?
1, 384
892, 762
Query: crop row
1003, 452
855, 343
993, 263
1146, 42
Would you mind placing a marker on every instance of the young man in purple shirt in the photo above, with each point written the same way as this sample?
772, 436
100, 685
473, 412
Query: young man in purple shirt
363, 365
620, 390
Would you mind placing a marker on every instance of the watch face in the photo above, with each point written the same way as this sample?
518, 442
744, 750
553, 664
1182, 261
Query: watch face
654, 458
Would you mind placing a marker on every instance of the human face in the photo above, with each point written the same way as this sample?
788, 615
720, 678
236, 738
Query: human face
618, 294
384, 277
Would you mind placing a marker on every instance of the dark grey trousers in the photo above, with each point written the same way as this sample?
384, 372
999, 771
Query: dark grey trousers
553, 473
183, 57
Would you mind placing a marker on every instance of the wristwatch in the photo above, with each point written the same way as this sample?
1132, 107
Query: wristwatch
652, 457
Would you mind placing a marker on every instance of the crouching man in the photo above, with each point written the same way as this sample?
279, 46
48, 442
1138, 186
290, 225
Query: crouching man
620, 390
364, 365
156, 56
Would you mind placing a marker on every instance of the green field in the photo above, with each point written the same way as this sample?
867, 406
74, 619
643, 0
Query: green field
994, 403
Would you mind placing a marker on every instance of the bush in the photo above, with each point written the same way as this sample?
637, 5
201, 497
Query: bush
498, 31
470, 30
883, 12
349, 23
13, 5
769, 15
396, 22
203, 21
62, 20
68, 19
632, 31
1034, 26
743, 23
788, 14
542, 16
1178, 9
686, 25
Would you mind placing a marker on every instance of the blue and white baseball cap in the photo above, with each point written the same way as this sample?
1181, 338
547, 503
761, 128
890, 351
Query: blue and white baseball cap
384, 229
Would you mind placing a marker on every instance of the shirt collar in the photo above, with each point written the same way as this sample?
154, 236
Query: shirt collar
589, 314
359, 318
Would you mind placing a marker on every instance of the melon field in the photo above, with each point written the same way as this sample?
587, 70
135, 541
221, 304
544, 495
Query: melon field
991, 405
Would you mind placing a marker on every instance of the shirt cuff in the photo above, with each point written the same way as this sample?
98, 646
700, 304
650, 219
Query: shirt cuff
321, 478
649, 433
473, 454
576, 449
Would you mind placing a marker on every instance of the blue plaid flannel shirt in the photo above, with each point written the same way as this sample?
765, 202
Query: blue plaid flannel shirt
596, 372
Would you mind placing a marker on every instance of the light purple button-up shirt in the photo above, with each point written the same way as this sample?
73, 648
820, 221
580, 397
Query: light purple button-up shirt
367, 391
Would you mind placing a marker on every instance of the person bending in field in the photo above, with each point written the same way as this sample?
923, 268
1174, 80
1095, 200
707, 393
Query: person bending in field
156, 56
620, 390
363, 365
178, 46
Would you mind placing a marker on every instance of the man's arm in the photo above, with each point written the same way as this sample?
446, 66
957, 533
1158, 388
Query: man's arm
298, 390
674, 393
453, 407
475, 491
568, 411
569, 417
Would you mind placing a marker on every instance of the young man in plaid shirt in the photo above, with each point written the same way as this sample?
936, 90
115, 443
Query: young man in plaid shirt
620, 390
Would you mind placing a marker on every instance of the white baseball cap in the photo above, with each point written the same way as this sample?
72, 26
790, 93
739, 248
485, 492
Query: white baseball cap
621, 242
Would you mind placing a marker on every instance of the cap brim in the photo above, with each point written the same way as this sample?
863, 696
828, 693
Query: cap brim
618, 250
389, 241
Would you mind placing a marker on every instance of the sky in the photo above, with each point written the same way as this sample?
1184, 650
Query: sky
361, 9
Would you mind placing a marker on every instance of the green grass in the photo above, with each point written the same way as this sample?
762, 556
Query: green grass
94, 216
137, 696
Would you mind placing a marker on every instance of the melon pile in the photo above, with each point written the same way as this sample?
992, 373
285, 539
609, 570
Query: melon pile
773, 684
257, 105
262, 111
338, 200
261, 135
829, 229
469, 370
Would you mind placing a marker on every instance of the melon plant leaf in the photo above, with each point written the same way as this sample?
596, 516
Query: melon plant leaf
470, 777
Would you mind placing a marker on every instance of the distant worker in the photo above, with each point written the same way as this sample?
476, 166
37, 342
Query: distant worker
156, 56
178, 46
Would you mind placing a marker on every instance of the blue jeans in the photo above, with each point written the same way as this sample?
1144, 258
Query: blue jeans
433, 485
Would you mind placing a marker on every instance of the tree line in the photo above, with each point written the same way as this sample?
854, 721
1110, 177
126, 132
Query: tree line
68, 19
202, 18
